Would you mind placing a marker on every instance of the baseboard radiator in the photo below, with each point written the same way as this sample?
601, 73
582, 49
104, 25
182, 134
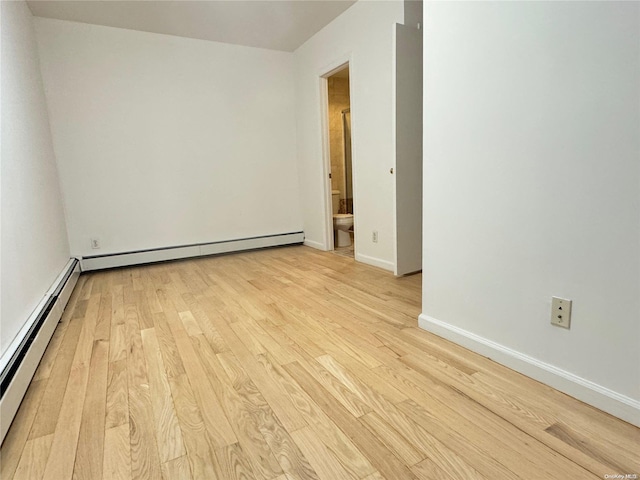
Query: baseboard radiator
19, 363
138, 257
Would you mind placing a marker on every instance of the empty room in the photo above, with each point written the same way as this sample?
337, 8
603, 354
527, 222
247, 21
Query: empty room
319, 240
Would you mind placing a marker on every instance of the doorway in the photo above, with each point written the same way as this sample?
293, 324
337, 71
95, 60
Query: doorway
338, 132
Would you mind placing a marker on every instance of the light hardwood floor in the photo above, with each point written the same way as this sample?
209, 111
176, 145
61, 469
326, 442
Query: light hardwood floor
287, 364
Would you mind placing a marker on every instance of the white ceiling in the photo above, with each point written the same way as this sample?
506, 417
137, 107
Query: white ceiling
274, 24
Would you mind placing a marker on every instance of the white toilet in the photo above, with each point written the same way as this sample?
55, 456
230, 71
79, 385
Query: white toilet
342, 222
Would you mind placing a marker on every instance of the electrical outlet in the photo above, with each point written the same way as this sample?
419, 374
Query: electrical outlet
560, 312
374, 237
95, 243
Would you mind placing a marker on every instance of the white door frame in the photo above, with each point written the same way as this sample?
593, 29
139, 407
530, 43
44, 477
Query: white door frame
333, 67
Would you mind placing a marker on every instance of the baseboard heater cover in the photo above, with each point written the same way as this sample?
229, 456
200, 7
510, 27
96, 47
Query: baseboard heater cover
138, 257
19, 363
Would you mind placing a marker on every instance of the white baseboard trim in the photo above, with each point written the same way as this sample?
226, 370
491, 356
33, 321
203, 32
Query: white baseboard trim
376, 262
621, 406
99, 262
19, 363
316, 245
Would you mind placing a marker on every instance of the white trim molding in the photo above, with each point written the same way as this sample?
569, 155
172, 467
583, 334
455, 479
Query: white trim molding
316, 245
162, 254
621, 406
19, 363
376, 262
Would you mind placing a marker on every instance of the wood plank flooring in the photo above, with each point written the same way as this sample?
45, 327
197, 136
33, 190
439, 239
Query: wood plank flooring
287, 364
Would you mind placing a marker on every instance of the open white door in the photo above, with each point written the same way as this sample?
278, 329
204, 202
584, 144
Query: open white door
408, 133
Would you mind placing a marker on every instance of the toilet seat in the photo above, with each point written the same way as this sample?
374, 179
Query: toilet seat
343, 218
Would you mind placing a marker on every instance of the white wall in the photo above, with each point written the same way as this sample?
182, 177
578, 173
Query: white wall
34, 247
363, 35
531, 180
165, 141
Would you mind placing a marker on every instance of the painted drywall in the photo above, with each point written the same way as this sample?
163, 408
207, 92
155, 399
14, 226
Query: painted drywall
165, 141
363, 35
531, 180
34, 238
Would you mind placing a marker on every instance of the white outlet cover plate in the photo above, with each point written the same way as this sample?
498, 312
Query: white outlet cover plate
560, 312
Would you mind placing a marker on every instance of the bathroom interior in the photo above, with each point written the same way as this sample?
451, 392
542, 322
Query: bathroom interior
341, 165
